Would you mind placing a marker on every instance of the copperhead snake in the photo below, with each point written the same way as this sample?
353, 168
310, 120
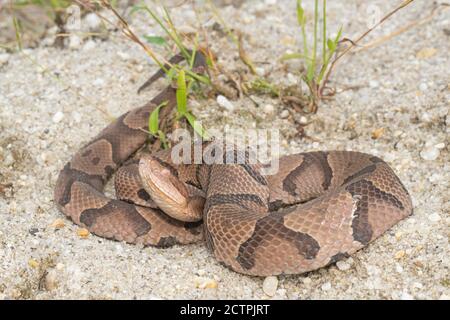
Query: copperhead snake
319, 208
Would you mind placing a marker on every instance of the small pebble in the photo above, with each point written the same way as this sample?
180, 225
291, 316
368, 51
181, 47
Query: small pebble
374, 84
406, 296
284, 114
306, 280
58, 224
123, 55
268, 108
99, 82
89, 45
206, 283
399, 254
260, 71
75, 41
50, 280
430, 153
303, 120
291, 78
225, 103
57, 117
326, 286
270, 285
92, 21
377, 133
201, 272
83, 233
423, 86
435, 217
342, 265
76, 116
4, 57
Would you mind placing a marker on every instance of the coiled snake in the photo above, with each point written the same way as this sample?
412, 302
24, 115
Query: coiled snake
320, 207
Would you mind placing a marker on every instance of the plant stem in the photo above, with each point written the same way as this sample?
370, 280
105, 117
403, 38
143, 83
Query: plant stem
316, 20
303, 28
355, 42
324, 35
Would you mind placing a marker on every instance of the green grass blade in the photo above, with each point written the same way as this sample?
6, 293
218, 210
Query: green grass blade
291, 56
181, 93
196, 125
160, 41
153, 120
302, 22
314, 51
163, 139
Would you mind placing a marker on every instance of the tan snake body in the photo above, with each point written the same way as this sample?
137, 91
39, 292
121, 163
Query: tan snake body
319, 208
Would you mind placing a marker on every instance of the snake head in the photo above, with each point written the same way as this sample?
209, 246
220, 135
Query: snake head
176, 198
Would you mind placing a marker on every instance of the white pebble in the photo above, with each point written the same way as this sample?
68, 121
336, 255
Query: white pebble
57, 117
4, 57
268, 108
435, 177
284, 114
406, 296
374, 83
93, 22
225, 103
435, 217
123, 55
201, 272
430, 153
89, 45
270, 285
423, 86
99, 82
303, 120
260, 71
306, 280
51, 280
74, 41
326, 286
426, 117
76, 116
342, 265
9, 160
291, 78
440, 145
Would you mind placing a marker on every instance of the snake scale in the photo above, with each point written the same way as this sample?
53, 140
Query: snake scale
318, 208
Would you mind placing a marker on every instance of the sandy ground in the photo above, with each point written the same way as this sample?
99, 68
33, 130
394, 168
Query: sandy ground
50, 103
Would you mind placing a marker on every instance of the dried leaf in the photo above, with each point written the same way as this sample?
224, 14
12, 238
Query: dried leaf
377, 133
426, 53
